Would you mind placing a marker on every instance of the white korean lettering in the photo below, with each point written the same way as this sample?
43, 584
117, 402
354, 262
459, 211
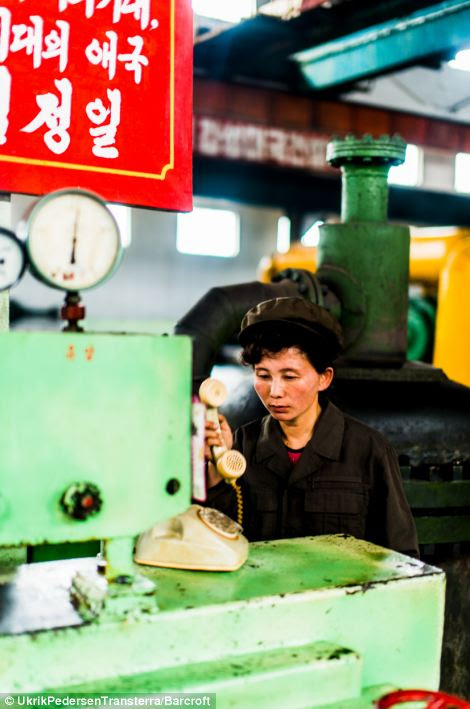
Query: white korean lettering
259, 144
104, 53
140, 9
208, 137
275, 142
57, 44
5, 25
103, 3
318, 152
55, 114
252, 143
63, 4
231, 134
29, 37
296, 149
15, 38
5, 93
104, 136
135, 60
89, 6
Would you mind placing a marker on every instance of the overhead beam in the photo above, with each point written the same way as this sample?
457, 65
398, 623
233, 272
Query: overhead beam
286, 189
375, 50
278, 109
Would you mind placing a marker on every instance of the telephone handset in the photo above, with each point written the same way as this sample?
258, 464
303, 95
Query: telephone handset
230, 464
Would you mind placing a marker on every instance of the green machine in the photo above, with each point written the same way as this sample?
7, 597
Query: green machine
95, 444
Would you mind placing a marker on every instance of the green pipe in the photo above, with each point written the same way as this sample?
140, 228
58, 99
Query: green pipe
364, 259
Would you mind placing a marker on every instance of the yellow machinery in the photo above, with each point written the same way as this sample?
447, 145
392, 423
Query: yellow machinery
439, 268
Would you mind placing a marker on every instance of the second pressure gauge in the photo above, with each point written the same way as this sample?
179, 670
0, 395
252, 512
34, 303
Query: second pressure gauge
12, 259
72, 239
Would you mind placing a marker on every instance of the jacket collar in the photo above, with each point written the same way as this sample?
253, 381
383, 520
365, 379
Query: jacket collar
270, 449
326, 442
328, 434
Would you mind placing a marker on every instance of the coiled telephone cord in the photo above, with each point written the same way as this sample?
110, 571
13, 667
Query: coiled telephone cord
238, 493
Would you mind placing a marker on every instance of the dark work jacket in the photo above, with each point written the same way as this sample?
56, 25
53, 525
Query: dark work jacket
347, 480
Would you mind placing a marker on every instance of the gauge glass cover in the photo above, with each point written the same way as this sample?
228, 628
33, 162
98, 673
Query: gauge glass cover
73, 240
12, 259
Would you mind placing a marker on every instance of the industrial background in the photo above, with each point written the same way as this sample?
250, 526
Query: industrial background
274, 83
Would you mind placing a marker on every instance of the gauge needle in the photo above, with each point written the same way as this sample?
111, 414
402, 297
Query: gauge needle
74, 239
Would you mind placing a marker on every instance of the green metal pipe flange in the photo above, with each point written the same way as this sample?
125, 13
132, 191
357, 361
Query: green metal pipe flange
365, 162
364, 260
386, 150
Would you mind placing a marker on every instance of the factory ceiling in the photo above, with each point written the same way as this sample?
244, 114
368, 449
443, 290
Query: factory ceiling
392, 54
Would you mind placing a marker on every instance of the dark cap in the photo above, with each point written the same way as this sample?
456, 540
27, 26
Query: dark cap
294, 311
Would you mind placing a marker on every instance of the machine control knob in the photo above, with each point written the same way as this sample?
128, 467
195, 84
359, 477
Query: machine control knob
81, 500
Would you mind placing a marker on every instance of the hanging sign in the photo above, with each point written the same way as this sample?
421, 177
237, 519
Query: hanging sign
97, 94
238, 140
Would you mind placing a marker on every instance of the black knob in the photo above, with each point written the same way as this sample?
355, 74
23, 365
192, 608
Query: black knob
81, 500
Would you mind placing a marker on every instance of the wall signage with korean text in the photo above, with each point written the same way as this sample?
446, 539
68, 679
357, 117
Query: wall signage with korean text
97, 94
237, 140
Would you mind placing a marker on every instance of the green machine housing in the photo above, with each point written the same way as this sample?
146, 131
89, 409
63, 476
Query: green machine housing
94, 436
95, 444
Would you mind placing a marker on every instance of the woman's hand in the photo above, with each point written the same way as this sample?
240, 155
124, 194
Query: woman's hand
216, 438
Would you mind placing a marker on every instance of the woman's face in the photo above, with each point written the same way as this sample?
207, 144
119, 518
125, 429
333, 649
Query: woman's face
288, 384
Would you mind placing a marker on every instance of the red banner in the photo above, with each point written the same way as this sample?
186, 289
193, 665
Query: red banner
97, 94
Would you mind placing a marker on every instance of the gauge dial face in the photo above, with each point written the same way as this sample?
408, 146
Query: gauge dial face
12, 259
73, 240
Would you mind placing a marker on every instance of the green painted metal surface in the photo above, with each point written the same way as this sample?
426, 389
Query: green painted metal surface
439, 510
364, 260
364, 164
51, 552
432, 495
421, 327
428, 31
239, 634
303, 676
443, 529
10, 559
109, 410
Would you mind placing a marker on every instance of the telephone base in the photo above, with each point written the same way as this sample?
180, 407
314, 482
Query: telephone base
200, 539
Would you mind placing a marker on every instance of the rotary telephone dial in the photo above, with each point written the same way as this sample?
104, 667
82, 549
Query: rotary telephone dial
202, 538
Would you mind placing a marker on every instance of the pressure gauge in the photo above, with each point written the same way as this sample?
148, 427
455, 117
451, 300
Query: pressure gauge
72, 239
12, 259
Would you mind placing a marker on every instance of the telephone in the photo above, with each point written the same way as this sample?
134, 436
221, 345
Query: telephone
202, 538
230, 464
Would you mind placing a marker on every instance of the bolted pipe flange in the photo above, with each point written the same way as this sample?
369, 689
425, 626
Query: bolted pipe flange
365, 163
386, 150
307, 283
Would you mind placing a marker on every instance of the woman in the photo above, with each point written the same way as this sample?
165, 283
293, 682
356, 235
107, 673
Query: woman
310, 468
